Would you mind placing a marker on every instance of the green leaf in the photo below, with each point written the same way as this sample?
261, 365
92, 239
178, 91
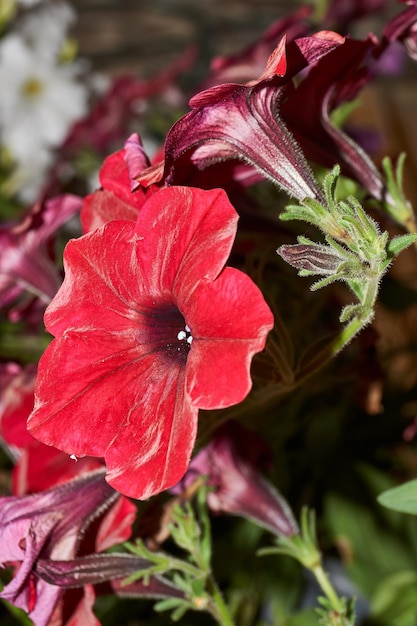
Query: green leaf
400, 243
374, 547
168, 604
180, 607
402, 498
395, 602
20, 616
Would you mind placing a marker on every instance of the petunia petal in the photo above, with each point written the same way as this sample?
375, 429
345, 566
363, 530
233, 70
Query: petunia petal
98, 259
229, 321
184, 235
154, 454
132, 411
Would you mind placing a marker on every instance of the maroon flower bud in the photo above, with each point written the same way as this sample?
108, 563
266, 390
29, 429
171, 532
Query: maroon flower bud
232, 461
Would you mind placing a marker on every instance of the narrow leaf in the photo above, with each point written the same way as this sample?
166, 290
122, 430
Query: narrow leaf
400, 243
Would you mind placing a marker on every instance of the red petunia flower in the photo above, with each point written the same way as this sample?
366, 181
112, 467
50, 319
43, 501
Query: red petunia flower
150, 326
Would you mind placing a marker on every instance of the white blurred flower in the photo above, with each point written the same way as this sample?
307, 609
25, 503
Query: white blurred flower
39, 97
28, 3
46, 28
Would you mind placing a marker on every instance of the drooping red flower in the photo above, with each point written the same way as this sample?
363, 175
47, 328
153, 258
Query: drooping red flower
242, 123
150, 326
267, 125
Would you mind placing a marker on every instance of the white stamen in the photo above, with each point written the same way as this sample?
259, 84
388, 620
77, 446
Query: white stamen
189, 340
187, 328
181, 335
73, 457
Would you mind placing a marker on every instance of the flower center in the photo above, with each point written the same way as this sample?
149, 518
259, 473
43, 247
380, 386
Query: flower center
32, 87
180, 348
169, 332
185, 335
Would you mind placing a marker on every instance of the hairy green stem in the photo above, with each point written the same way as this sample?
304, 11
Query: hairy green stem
327, 588
220, 610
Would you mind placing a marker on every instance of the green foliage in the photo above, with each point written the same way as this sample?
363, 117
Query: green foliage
355, 251
402, 498
190, 531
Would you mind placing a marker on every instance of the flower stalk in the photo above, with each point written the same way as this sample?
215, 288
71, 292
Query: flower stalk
190, 531
303, 547
400, 208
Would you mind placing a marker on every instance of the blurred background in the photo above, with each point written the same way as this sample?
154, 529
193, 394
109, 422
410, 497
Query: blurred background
145, 36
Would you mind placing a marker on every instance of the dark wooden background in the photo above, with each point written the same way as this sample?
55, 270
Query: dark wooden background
145, 35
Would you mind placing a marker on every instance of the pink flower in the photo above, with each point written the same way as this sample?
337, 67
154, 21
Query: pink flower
150, 326
50, 525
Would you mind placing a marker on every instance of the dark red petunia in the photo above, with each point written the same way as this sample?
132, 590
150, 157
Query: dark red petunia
232, 462
232, 123
150, 327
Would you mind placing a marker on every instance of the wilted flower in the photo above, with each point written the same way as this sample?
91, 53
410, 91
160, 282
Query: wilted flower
50, 525
243, 123
232, 463
26, 267
150, 326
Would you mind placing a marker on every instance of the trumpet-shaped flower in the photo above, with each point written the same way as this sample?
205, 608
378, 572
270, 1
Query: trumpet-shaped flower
150, 326
243, 123
50, 525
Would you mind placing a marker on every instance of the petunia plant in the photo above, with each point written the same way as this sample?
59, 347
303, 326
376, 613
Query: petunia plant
208, 327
